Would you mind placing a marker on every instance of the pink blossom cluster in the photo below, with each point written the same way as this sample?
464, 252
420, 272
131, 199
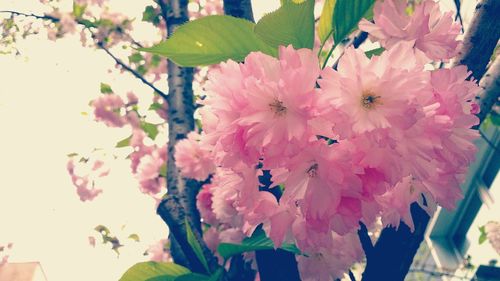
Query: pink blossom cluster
433, 34
492, 229
192, 158
159, 251
85, 181
147, 161
66, 25
4, 256
343, 146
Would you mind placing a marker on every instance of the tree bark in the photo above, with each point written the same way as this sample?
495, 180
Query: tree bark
481, 38
277, 265
392, 255
180, 202
490, 91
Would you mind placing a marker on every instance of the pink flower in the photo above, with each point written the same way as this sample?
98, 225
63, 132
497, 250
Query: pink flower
107, 109
140, 149
92, 241
193, 158
492, 229
330, 263
376, 93
433, 33
450, 125
132, 99
68, 24
396, 203
85, 188
148, 172
261, 106
211, 237
159, 251
204, 204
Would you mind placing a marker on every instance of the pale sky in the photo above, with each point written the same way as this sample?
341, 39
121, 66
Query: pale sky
42, 95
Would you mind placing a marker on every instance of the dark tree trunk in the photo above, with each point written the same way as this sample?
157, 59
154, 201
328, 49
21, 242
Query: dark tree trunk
239, 8
392, 255
481, 38
277, 265
180, 203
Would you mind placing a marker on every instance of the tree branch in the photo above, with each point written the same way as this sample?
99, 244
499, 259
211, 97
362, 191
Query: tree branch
44, 17
180, 202
239, 8
172, 212
481, 38
101, 46
393, 253
490, 91
366, 242
129, 69
277, 265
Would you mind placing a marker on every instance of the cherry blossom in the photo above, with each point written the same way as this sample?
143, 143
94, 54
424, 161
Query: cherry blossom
492, 229
193, 158
433, 34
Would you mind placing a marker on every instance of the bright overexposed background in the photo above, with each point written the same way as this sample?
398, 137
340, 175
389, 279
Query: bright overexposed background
43, 93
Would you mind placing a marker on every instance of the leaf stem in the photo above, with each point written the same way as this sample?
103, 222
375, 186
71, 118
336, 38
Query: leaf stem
328, 56
324, 42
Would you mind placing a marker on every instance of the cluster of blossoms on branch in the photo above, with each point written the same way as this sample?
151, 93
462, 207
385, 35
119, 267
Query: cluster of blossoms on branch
148, 158
307, 154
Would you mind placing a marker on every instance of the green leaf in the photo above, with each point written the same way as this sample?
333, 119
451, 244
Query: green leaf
155, 60
106, 89
134, 237
192, 277
150, 129
72, 154
146, 271
135, 58
374, 52
210, 40
141, 69
78, 10
150, 15
326, 21
163, 170
483, 236
291, 24
258, 241
102, 229
347, 14
195, 245
155, 106
124, 142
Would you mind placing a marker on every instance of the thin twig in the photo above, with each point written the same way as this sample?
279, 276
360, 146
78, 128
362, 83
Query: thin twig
101, 46
458, 15
129, 69
44, 17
